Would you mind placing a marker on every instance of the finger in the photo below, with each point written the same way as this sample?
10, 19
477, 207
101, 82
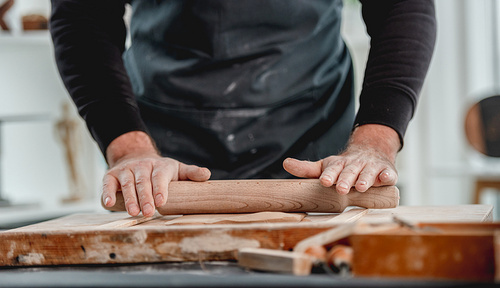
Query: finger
331, 172
388, 177
303, 169
109, 187
127, 183
143, 186
347, 178
367, 177
194, 173
160, 178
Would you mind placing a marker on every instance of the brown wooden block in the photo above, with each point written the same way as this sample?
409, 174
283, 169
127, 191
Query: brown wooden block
465, 255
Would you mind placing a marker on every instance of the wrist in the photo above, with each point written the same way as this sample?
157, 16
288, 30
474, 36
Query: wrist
382, 138
130, 144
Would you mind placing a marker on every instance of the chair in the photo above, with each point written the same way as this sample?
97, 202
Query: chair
482, 129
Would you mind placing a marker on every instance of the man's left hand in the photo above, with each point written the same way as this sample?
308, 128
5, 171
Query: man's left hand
369, 160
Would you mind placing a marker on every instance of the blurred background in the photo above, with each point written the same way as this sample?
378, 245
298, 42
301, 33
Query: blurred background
436, 167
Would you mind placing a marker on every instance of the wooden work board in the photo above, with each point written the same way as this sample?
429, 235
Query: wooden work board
116, 238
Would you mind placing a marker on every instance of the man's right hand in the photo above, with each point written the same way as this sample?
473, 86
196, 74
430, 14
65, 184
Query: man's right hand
142, 174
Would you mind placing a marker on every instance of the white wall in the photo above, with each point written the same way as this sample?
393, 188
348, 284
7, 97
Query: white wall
32, 162
33, 167
436, 161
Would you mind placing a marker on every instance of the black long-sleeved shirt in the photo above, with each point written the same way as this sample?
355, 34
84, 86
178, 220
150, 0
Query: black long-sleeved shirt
239, 85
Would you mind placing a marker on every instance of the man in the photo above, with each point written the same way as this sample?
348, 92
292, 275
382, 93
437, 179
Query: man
244, 88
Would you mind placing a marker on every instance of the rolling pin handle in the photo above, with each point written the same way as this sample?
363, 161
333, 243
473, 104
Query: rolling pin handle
378, 198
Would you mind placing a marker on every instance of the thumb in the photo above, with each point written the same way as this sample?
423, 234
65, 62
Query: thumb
303, 169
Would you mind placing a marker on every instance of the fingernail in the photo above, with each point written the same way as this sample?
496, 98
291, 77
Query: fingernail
107, 200
343, 185
133, 209
387, 175
287, 162
362, 182
326, 179
158, 200
147, 209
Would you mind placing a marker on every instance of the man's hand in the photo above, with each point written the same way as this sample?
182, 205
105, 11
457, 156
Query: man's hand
368, 161
142, 174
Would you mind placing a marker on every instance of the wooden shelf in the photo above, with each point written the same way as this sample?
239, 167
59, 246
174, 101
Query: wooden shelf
41, 37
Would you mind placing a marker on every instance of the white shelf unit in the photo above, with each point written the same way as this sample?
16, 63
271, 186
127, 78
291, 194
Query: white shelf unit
34, 174
26, 38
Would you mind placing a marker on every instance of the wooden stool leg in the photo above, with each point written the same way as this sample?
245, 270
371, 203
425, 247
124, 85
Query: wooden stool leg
477, 191
481, 184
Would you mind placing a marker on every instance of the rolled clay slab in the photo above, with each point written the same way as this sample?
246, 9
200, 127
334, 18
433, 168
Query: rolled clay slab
260, 217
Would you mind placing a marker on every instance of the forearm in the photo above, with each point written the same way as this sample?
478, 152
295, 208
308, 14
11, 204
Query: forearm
402, 35
89, 39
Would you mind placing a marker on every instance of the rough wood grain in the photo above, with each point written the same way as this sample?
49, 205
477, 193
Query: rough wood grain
84, 238
138, 244
249, 196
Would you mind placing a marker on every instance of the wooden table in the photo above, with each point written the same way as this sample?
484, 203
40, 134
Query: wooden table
115, 239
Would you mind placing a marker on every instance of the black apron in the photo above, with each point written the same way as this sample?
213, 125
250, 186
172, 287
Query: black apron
238, 86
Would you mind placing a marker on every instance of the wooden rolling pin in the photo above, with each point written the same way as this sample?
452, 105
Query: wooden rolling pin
250, 196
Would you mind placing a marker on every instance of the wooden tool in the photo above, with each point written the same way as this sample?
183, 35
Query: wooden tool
273, 260
305, 252
249, 196
296, 262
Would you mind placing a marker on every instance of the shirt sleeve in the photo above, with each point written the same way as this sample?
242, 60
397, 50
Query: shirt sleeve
402, 41
89, 40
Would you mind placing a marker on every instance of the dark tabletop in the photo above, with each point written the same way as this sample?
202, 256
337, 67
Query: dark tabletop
193, 274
